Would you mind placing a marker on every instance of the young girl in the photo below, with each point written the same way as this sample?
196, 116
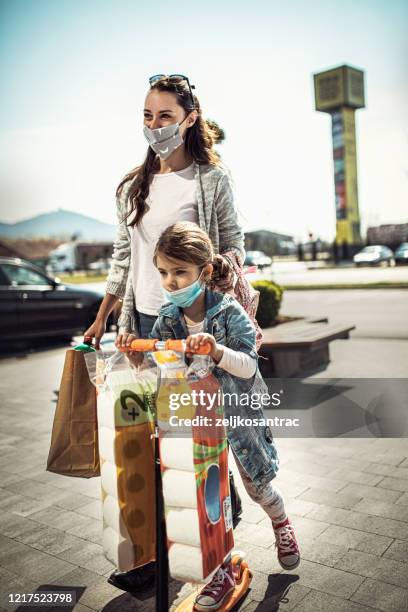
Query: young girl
184, 257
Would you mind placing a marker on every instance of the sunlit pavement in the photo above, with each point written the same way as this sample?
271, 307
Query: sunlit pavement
348, 499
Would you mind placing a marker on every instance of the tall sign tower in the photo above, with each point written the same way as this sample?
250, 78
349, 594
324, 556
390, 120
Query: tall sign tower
339, 92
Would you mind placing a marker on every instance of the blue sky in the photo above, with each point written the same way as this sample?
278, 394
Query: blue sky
74, 76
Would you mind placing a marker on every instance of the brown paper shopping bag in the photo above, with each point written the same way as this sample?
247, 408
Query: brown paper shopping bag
74, 440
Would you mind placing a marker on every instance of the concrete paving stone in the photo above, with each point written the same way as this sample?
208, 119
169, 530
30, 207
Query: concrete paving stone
303, 466
7, 478
75, 501
91, 530
14, 526
395, 484
315, 601
371, 566
260, 559
41, 475
65, 520
337, 500
386, 597
355, 476
404, 464
49, 540
373, 493
92, 509
387, 458
384, 509
80, 577
317, 552
22, 505
306, 528
291, 489
386, 470
280, 594
255, 534
47, 492
9, 546
250, 513
354, 539
12, 584
326, 484
327, 579
100, 594
34, 564
403, 499
88, 555
297, 506
18, 466
398, 551
360, 521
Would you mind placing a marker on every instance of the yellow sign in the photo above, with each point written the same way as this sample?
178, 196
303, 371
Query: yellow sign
345, 176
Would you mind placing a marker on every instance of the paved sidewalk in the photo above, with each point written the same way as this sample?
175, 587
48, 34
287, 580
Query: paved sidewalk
348, 499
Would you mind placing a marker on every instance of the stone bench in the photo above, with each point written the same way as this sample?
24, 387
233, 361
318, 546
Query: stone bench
299, 348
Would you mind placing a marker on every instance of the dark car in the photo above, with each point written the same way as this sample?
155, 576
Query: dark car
401, 254
33, 304
374, 255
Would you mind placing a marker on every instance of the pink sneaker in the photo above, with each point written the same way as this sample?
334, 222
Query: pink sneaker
213, 595
288, 549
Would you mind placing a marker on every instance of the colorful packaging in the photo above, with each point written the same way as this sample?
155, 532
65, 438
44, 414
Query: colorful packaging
194, 463
126, 448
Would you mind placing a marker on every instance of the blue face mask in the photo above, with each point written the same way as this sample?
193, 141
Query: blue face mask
185, 297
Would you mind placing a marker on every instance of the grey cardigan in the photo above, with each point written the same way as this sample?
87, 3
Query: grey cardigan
216, 215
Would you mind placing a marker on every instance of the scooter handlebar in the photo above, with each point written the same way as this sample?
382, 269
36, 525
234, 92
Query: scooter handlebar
151, 344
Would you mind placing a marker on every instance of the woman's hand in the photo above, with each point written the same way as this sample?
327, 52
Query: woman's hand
196, 340
96, 330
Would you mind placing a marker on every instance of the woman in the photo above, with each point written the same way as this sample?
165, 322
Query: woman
181, 179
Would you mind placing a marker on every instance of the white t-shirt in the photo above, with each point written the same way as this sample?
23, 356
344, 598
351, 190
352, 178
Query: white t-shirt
172, 198
236, 363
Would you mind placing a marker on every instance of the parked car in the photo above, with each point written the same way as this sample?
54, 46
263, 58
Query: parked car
257, 258
401, 254
374, 255
33, 304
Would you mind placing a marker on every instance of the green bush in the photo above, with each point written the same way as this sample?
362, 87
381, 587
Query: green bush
270, 299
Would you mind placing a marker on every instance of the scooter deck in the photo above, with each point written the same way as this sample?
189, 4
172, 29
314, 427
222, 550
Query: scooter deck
243, 580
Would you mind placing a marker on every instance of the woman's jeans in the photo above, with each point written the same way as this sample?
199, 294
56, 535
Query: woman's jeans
145, 323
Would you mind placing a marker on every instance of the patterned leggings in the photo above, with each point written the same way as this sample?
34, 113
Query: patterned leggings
269, 497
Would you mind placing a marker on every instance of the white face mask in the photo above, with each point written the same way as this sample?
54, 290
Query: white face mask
164, 140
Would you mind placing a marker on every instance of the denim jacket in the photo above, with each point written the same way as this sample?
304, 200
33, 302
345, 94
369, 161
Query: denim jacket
227, 321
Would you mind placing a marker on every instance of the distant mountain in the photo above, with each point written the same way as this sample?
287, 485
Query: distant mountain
62, 224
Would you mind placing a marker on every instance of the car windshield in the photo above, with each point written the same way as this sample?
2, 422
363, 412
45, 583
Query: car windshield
18, 275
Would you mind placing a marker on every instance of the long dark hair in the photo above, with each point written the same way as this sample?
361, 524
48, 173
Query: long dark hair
199, 141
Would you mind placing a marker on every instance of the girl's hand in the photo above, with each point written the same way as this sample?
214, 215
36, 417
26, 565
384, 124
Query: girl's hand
196, 340
125, 340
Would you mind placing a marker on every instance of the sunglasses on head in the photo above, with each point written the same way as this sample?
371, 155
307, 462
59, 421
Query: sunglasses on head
174, 79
